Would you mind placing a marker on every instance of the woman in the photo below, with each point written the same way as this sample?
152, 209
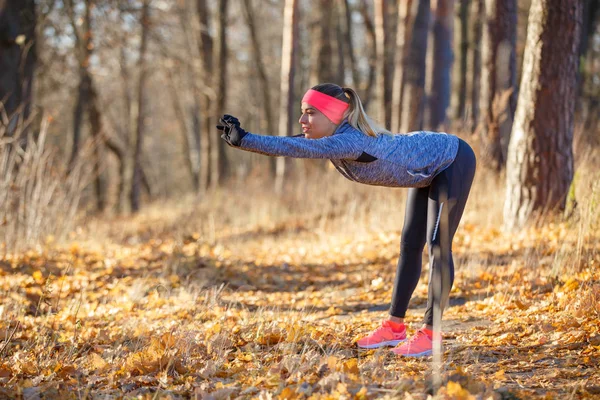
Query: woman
437, 167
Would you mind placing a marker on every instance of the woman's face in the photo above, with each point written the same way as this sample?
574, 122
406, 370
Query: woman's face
314, 123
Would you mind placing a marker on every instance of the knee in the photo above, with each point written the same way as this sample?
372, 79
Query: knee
408, 245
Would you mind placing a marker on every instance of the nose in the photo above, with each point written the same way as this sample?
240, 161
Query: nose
303, 118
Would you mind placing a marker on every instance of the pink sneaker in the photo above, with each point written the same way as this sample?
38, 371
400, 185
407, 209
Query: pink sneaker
419, 345
382, 336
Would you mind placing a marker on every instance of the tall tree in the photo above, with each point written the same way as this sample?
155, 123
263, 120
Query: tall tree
474, 63
207, 99
288, 55
414, 87
87, 99
17, 60
381, 28
459, 93
348, 24
439, 98
497, 100
219, 168
402, 39
137, 177
369, 83
261, 69
322, 70
540, 156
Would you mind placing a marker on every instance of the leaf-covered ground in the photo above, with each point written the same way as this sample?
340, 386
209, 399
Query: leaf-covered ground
275, 313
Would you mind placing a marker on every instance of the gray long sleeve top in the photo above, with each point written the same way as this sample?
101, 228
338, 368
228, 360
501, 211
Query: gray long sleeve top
400, 160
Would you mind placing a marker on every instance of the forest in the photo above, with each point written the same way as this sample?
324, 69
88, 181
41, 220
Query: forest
141, 256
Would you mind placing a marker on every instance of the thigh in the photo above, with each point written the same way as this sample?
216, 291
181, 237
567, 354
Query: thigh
447, 195
415, 218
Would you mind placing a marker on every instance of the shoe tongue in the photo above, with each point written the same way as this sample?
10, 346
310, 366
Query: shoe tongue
392, 325
427, 332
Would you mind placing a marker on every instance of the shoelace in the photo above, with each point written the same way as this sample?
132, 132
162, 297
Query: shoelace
416, 337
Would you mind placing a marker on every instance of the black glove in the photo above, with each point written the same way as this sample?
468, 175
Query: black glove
232, 132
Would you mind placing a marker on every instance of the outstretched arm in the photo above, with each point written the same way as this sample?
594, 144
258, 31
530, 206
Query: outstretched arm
341, 146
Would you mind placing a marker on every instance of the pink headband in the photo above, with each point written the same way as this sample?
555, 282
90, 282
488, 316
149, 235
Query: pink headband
331, 107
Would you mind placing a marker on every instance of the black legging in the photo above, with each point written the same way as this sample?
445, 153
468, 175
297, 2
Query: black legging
426, 210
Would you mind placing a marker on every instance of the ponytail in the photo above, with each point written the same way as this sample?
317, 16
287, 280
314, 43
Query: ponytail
358, 118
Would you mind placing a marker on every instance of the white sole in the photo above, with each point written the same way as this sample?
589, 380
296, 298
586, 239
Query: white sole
423, 354
381, 344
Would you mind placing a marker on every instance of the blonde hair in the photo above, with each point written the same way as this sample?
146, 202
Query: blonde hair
356, 115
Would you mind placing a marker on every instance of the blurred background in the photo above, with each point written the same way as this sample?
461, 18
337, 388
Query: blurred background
109, 106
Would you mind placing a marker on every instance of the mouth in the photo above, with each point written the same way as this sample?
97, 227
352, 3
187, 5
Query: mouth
305, 130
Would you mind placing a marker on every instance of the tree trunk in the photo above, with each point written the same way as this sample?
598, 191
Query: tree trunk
459, 96
349, 44
136, 180
381, 25
442, 62
322, 70
474, 64
412, 112
189, 114
368, 85
540, 158
207, 98
80, 106
402, 40
17, 61
86, 102
265, 87
187, 130
498, 79
219, 167
340, 45
286, 109
126, 165
95, 117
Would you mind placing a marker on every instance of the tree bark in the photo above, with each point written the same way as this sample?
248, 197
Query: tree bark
207, 99
540, 158
349, 43
87, 102
265, 87
136, 180
459, 98
369, 83
288, 52
187, 129
474, 64
340, 45
412, 112
219, 167
498, 79
401, 53
323, 67
443, 57
383, 74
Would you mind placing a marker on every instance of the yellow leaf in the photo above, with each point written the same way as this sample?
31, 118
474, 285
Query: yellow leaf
351, 366
457, 392
500, 374
38, 277
332, 362
288, 393
96, 362
361, 394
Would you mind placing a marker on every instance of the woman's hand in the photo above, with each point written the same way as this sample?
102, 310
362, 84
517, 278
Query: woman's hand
232, 132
